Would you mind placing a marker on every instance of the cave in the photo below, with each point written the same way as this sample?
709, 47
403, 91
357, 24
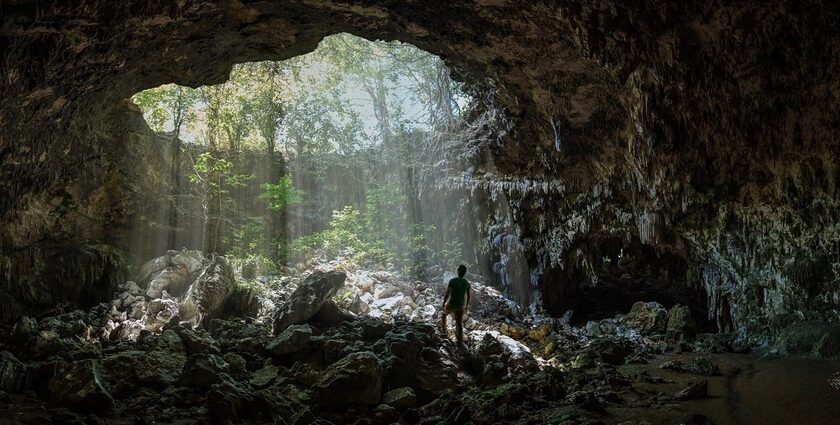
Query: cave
646, 195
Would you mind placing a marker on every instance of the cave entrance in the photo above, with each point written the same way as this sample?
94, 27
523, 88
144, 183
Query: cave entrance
603, 276
341, 155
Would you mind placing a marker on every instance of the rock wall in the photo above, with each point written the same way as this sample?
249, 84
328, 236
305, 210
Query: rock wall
708, 131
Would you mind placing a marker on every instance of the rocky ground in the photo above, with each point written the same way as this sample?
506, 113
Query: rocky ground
345, 347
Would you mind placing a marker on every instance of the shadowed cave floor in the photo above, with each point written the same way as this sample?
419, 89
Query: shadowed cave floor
82, 367
747, 390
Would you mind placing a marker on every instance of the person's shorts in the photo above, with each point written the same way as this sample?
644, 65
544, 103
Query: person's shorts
454, 309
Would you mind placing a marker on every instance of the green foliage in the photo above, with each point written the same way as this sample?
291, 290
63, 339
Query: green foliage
379, 237
216, 171
312, 101
248, 241
343, 238
282, 194
167, 104
216, 176
348, 114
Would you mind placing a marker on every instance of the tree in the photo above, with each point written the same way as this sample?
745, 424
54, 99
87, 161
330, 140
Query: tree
216, 176
281, 194
214, 98
167, 104
269, 109
349, 119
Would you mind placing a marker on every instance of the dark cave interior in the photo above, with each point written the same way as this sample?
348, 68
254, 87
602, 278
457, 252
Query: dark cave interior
649, 212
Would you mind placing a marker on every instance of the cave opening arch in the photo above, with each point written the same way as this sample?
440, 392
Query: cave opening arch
634, 111
134, 48
358, 128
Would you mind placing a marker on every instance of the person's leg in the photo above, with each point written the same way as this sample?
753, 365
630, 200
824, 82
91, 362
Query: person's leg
459, 325
443, 322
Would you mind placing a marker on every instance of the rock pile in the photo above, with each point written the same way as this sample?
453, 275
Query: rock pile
180, 285
315, 360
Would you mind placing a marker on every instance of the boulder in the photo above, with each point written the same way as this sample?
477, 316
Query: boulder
382, 276
242, 302
519, 354
155, 366
131, 288
812, 338
357, 306
126, 331
613, 351
648, 318
432, 380
264, 376
292, 339
10, 310
698, 366
681, 326
286, 404
400, 398
209, 292
695, 390
308, 299
191, 260
713, 343
137, 311
24, 329
363, 282
227, 403
168, 340
237, 366
203, 370
703, 366
159, 312
391, 303
79, 386
173, 279
540, 332
331, 314
584, 360
371, 329
489, 346
12, 372
152, 267
354, 380
385, 291
829, 345
585, 400
196, 340
514, 332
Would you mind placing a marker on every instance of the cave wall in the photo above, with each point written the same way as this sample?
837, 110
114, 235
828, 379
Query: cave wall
706, 129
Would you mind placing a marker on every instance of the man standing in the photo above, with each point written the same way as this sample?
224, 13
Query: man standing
455, 301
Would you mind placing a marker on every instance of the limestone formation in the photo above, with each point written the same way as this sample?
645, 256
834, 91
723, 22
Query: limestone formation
648, 317
680, 323
209, 292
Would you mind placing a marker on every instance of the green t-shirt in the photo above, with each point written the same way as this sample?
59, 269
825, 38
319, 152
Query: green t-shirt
458, 288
